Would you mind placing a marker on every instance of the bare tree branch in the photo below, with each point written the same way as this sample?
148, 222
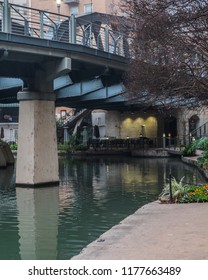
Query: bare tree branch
170, 51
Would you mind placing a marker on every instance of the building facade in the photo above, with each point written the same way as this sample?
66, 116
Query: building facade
76, 7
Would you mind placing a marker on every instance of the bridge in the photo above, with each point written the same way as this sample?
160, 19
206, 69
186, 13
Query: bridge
49, 59
97, 54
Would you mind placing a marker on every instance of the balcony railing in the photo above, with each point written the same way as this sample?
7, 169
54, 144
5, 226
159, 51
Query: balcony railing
21, 20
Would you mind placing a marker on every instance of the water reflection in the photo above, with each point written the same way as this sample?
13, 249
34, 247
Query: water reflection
94, 194
38, 222
9, 247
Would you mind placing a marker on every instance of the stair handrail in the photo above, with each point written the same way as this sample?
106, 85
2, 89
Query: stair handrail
194, 133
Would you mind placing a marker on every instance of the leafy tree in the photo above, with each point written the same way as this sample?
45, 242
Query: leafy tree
170, 52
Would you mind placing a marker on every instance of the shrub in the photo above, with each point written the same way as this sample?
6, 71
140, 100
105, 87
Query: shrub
72, 145
13, 146
203, 158
63, 147
81, 147
189, 151
201, 143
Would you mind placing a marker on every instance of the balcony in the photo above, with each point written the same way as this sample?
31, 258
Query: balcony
71, 1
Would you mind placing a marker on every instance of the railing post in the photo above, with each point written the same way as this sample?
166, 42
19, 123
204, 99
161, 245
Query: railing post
41, 25
27, 33
190, 137
121, 48
170, 187
163, 140
6, 26
72, 29
106, 39
1, 16
169, 140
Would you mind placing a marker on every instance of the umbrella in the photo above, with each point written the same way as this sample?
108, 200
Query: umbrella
2, 133
96, 131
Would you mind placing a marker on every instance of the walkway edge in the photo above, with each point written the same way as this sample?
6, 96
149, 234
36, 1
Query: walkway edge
155, 231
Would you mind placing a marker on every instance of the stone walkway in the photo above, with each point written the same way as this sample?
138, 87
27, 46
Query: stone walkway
155, 231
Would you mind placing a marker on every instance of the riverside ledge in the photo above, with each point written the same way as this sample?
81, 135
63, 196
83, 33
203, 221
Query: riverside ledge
155, 232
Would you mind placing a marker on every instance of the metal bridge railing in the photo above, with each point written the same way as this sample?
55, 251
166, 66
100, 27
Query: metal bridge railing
21, 20
165, 142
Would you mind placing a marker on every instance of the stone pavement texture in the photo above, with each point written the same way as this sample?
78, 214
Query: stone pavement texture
155, 232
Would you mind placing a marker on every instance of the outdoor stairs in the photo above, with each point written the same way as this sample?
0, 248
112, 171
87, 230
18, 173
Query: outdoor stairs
200, 131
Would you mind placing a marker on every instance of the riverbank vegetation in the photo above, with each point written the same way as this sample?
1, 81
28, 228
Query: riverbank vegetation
188, 193
202, 145
183, 193
72, 145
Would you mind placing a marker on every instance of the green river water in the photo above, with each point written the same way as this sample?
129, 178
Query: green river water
93, 195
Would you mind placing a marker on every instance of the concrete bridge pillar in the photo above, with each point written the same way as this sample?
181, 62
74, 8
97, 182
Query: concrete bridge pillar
37, 157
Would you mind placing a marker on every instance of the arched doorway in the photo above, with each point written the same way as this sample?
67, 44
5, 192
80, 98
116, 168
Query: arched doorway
170, 126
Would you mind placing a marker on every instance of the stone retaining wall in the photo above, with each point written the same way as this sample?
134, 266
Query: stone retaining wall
193, 161
150, 153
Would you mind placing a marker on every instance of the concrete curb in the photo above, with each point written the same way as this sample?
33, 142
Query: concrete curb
155, 231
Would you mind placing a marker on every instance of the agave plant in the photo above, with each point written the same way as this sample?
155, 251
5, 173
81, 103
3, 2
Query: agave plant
178, 189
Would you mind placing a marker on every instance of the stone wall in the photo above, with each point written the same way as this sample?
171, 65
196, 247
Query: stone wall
132, 125
6, 156
184, 116
115, 124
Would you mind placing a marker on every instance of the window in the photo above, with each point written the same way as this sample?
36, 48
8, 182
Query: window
88, 8
73, 11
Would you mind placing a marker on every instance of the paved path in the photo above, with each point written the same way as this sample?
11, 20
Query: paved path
156, 231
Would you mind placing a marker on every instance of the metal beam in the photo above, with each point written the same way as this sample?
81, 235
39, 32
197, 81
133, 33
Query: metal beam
62, 82
8, 83
79, 89
104, 93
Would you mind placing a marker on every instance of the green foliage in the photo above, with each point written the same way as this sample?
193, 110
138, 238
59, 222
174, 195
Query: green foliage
63, 147
178, 189
59, 123
201, 143
81, 147
72, 145
203, 158
184, 193
189, 151
195, 194
13, 146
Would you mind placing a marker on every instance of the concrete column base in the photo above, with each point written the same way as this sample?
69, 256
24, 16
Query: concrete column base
37, 155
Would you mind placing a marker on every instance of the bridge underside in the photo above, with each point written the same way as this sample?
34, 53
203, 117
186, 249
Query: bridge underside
92, 94
99, 92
